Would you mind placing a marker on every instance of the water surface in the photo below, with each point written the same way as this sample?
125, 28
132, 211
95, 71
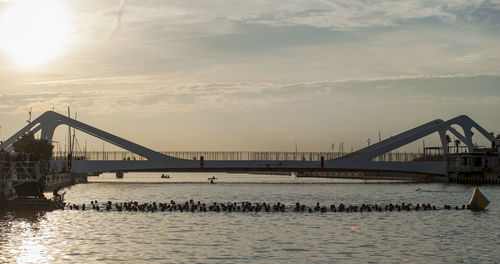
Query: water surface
439, 236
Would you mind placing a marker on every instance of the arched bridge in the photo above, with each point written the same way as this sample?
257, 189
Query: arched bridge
361, 160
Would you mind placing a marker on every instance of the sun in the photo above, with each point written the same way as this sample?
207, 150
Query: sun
34, 32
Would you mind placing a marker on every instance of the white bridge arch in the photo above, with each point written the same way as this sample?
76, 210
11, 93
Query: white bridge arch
49, 121
361, 160
424, 130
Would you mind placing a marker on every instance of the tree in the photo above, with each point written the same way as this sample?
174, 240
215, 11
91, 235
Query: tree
448, 141
457, 143
38, 148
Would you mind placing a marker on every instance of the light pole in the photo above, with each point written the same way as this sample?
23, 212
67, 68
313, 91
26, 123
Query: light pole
295, 150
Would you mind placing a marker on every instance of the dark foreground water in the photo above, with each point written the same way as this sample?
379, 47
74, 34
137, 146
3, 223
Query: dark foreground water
439, 236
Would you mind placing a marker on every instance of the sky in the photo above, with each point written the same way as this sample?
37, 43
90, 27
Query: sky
250, 75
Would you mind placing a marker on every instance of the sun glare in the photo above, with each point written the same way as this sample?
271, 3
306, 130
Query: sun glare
34, 32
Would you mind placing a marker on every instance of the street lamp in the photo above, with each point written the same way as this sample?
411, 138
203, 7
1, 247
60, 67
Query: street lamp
295, 150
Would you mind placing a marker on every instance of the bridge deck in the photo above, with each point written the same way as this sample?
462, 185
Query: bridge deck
244, 155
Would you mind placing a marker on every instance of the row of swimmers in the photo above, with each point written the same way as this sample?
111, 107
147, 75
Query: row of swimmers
376, 208
192, 206
186, 206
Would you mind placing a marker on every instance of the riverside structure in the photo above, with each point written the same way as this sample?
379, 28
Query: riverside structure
25, 179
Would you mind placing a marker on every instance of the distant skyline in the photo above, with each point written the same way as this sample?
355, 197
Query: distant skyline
255, 75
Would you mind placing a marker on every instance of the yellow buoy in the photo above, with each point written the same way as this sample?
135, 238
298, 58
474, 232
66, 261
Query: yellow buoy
478, 200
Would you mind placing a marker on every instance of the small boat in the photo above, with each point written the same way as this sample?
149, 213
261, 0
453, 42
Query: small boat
212, 180
296, 174
165, 176
478, 201
119, 174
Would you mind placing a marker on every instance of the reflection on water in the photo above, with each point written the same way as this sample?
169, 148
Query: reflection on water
170, 237
22, 235
28, 215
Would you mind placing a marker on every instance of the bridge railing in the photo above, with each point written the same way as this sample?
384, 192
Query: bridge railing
247, 156
407, 157
207, 155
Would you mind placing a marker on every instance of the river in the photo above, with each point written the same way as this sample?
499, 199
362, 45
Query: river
437, 236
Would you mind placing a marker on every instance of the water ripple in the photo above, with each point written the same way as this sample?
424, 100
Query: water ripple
175, 237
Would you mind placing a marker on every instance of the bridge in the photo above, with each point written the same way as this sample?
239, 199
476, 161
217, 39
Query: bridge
363, 160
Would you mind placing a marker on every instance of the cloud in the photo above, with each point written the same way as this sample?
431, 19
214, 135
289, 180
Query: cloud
470, 58
117, 23
146, 94
275, 41
342, 15
188, 19
338, 15
393, 103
